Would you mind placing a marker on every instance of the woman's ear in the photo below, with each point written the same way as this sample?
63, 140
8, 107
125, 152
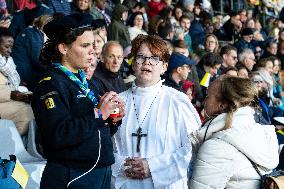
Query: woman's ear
62, 48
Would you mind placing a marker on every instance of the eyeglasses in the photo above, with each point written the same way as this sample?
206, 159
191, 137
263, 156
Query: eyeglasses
187, 66
153, 60
235, 58
210, 42
258, 81
252, 59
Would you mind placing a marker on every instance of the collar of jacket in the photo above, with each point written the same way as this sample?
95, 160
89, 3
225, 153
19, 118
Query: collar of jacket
101, 68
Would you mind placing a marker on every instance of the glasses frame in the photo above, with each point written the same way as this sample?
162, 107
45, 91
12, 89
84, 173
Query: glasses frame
151, 62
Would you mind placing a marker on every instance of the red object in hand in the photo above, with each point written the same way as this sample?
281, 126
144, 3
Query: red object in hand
115, 113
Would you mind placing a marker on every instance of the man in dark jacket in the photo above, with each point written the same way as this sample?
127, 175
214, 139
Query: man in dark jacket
107, 74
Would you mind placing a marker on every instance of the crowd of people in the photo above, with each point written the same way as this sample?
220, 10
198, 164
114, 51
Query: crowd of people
146, 94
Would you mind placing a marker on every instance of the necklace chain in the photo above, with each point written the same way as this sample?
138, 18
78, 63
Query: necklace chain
137, 117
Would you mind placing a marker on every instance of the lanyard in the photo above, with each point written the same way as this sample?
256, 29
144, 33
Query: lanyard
82, 84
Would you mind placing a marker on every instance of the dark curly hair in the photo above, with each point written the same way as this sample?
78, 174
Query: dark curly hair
157, 46
211, 59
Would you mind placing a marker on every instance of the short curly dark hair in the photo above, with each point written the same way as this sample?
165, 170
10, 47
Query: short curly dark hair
211, 59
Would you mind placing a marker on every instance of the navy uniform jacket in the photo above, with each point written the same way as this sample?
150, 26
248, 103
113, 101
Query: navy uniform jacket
68, 125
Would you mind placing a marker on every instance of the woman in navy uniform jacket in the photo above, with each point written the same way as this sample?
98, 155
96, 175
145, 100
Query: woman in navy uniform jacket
74, 122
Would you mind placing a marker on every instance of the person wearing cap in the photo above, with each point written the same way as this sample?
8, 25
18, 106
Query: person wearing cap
246, 40
74, 122
178, 70
117, 30
153, 149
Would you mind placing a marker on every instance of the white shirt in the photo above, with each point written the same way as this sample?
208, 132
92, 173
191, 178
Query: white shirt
167, 148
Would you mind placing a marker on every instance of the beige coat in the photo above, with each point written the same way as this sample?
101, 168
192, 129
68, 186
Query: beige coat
19, 112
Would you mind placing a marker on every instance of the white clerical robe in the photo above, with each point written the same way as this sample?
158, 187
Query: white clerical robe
169, 121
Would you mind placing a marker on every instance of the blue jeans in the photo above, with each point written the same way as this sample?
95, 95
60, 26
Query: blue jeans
57, 176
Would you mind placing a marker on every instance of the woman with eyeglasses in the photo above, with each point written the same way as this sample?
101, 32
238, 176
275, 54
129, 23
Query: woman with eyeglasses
74, 122
230, 140
153, 147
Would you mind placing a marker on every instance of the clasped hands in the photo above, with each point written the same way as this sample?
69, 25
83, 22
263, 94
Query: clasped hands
108, 102
137, 168
19, 96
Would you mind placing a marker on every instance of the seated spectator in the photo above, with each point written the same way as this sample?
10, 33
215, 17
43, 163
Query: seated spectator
107, 76
177, 13
188, 87
211, 44
198, 28
246, 41
209, 64
232, 27
179, 46
230, 138
266, 96
242, 71
136, 25
117, 30
98, 44
25, 18
155, 6
250, 23
229, 55
184, 22
232, 71
166, 31
81, 6
59, 6
178, 69
101, 28
270, 48
246, 59
98, 11
154, 23
26, 51
13, 97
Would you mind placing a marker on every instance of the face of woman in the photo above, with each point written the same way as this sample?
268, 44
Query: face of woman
276, 67
6, 45
98, 44
83, 4
189, 93
212, 102
243, 73
269, 67
178, 13
210, 44
138, 21
80, 54
147, 72
90, 70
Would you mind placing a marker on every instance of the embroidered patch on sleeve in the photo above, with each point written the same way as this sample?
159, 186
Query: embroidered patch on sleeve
45, 79
49, 103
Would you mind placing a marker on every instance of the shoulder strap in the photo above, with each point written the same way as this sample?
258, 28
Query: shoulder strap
253, 164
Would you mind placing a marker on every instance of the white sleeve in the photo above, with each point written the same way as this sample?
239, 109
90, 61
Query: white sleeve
168, 168
213, 166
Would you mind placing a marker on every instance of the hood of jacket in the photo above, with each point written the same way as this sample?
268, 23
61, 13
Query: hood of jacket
117, 11
257, 142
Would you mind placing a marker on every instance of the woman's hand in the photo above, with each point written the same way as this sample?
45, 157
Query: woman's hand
108, 102
19, 96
